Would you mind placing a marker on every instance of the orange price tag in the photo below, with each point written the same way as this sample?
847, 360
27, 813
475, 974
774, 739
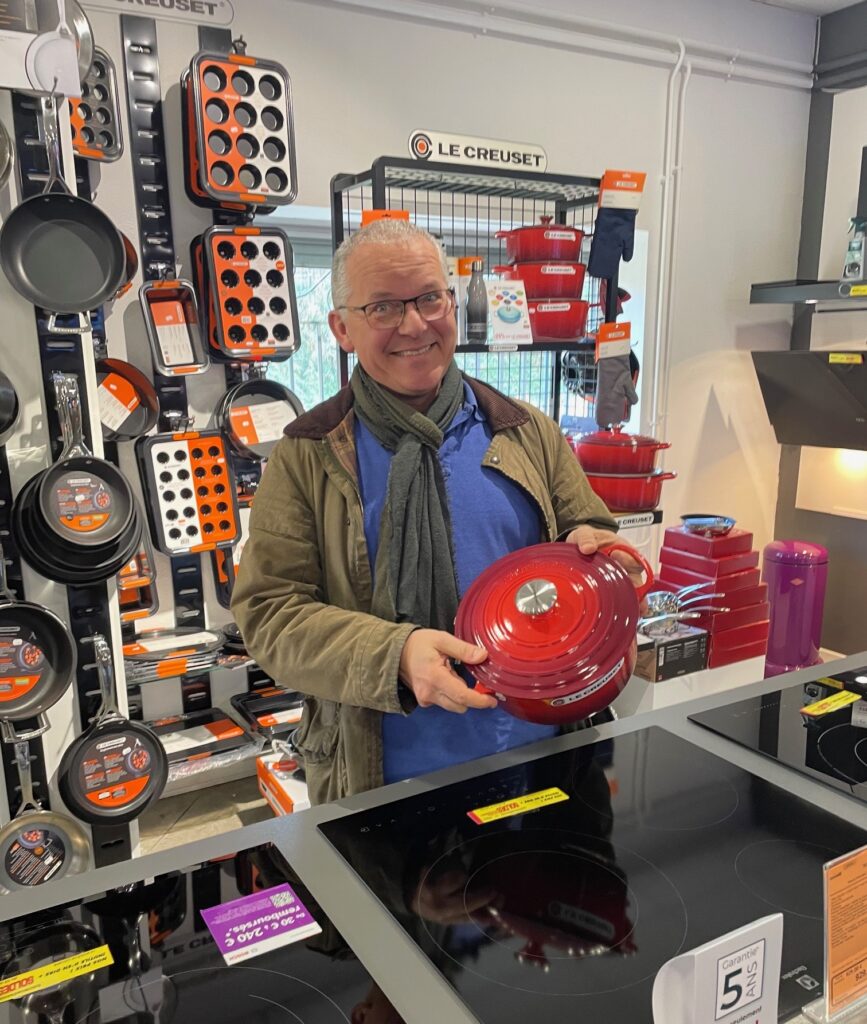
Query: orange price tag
846, 924
369, 216
613, 340
622, 189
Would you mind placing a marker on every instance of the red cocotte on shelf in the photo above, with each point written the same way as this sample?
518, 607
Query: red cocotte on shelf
735, 542
724, 585
712, 568
545, 241
559, 628
558, 319
547, 280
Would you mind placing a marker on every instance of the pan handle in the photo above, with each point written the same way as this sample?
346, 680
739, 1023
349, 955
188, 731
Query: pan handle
69, 407
9, 734
52, 145
4, 583
25, 774
84, 325
105, 671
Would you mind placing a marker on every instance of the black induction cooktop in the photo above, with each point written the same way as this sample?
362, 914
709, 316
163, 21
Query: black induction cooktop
166, 966
568, 911
830, 747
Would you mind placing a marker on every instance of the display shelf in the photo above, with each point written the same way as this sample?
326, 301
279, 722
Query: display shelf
579, 345
811, 292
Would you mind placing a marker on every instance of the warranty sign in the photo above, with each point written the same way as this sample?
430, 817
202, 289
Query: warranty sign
476, 151
193, 12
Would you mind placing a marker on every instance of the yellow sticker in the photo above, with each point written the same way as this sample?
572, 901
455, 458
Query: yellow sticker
847, 358
858, 289
53, 974
829, 704
518, 805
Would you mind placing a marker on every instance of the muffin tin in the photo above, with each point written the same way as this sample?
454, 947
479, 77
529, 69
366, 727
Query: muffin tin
95, 118
192, 503
245, 137
249, 275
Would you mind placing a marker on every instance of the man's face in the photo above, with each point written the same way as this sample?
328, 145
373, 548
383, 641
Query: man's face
410, 359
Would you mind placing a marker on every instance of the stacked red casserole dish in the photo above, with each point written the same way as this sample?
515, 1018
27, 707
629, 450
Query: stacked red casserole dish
729, 565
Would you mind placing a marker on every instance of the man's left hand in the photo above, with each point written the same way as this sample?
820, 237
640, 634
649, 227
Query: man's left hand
589, 540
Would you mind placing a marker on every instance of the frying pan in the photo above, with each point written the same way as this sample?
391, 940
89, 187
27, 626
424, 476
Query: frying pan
143, 417
6, 154
37, 655
61, 252
250, 395
9, 407
37, 846
84, 500
116, 768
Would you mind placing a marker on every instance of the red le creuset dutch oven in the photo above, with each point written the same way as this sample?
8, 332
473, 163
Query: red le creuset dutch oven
630, 492
547, 280
559, 628
614, 451
541, 242
558, 319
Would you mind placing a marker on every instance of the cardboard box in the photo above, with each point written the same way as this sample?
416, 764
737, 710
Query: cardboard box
712, 568
730, 655
717, 622
735, 542
283, 792
738, 599
724, 585
750, 634
675, 654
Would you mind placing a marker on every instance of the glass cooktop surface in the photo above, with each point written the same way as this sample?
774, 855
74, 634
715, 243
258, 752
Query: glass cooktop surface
639, 848
830, 747
166, 963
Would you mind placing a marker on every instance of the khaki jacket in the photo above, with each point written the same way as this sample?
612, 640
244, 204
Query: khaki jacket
304, 589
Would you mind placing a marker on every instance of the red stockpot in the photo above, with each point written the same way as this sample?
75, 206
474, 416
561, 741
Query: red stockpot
545, 241
547, 280
630, 492
559, 628
613, 451
558, 319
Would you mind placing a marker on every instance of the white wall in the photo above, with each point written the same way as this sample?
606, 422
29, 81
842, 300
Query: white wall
362, 83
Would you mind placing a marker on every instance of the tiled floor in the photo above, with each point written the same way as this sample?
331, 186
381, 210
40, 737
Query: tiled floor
176, 820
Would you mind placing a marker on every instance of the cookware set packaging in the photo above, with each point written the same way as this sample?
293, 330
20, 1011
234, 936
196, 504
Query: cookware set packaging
241, 136
164, 653
193, 741
272, 711
559, 628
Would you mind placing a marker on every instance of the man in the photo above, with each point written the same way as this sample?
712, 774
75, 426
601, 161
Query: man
378, 509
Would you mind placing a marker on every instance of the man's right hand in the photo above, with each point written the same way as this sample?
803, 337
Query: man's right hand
425, 667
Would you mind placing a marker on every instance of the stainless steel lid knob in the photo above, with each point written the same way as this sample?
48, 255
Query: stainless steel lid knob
535, 597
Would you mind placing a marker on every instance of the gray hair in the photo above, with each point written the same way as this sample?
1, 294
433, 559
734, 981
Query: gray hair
380, 232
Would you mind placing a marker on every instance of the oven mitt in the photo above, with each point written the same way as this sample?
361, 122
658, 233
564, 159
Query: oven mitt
613, 237
615, 392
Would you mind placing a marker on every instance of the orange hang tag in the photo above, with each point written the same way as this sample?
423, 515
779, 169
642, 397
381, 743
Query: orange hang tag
613, 340
622, 189
369, 216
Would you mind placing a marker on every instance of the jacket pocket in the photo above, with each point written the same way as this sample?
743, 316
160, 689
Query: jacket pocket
316, 737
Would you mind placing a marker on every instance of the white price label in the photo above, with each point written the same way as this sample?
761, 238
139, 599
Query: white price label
112, 412
269, 419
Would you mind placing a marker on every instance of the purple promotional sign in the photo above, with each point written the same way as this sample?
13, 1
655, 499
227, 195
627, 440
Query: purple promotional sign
252, 925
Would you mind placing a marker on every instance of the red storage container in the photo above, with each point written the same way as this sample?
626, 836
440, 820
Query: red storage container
735, 542
718, 622
724, 585
712, 568
729, 655
741, 636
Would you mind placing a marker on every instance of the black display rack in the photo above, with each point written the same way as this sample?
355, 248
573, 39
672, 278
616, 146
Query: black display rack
466, 207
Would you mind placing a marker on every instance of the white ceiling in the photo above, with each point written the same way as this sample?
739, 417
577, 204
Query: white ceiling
817, 7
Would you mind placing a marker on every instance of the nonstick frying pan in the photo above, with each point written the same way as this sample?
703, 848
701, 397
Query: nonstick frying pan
84, 500
143, 417
9, 407
59, 251
37, 846
253, 414
116, 768
37, 655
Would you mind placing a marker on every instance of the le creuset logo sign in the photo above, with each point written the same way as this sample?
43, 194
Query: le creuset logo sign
476, 151
211, 12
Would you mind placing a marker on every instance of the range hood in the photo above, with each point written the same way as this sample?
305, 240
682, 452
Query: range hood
815, 398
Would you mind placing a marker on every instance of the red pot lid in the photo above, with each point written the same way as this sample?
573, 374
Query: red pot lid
616, 438
550, 619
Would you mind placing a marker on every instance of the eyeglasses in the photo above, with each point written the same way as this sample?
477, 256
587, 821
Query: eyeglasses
387, 313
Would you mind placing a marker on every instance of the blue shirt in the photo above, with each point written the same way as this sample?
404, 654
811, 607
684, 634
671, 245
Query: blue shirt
491, 516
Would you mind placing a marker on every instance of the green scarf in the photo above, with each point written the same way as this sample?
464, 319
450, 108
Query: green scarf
414, 574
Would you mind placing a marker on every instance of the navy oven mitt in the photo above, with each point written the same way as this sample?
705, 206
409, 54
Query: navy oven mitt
613, 238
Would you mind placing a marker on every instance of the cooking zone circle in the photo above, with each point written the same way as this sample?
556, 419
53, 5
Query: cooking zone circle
796, 890
843, 748
578, 920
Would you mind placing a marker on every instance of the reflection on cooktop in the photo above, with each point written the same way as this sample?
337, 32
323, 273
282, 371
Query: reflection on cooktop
831, 748
167, 967
657, 847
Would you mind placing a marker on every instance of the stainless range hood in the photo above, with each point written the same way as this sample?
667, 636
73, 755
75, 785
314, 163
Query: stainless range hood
815, 398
